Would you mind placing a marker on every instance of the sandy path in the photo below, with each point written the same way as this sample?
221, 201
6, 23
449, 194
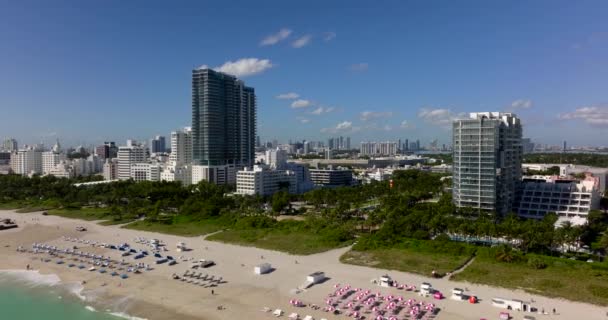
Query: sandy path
154, 296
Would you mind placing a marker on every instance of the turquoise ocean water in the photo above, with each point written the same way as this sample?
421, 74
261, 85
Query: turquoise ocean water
22, 299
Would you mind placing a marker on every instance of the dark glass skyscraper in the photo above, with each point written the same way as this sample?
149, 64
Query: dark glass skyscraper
223, 120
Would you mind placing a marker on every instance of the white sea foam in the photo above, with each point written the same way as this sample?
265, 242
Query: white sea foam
126, 316
90, 308
34, 278
76, 289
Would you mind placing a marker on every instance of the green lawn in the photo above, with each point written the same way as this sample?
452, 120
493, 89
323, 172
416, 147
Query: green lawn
82, 213
416, 256
293, 242
10, 206
185, 228
572, 280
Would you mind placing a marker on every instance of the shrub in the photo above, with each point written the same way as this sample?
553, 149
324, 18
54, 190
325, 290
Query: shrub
536, 263
443, 238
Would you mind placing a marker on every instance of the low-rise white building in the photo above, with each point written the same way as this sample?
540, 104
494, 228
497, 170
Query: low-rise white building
569, 198
177, 173
263, 181
62, 170
145, 171
222, 174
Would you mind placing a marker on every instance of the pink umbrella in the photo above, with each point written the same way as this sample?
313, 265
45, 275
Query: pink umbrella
379, 318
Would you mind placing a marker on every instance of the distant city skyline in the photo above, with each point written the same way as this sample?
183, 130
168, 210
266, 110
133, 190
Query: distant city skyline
101, 73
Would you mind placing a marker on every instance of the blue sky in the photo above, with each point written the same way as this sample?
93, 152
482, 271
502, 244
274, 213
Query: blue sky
89, 71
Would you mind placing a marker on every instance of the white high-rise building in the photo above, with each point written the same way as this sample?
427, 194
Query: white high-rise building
387, 148
276, 158
181, 147
487, 161
10, 145
50, 159
110, 169
27, 161
128, 156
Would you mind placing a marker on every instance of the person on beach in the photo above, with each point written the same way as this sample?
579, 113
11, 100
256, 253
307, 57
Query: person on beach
212, 292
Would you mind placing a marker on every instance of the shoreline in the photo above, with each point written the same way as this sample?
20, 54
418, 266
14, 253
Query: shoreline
153, 295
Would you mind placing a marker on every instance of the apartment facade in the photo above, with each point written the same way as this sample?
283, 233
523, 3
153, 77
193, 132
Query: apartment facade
487, 155
128, 156
223, 122
263, 181
569, 198
331, 177
26, 161
145, 172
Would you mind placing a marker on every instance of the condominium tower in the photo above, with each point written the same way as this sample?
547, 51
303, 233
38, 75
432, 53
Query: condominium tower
223, 124
487, 161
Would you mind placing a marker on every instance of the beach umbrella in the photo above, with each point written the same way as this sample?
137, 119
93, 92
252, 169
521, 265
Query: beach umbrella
337, 285
379, 318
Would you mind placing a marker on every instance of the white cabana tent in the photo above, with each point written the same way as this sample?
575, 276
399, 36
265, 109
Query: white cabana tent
262, 268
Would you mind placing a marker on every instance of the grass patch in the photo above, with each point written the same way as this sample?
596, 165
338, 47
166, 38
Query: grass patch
11, 205
178, 227
572, 280
113, 222
300, 243
89, 214
416, 256
291, 236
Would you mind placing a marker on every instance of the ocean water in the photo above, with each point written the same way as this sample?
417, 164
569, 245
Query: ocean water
31, 296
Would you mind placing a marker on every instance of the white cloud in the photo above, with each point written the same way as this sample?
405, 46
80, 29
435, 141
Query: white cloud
406, 125
346, 125
359, 67
328, 36
342, 127
304, 120
302, 41
245, 67
439, 117
370, 115
301, 103
288, 96
520, 104
596, 116
387, 127
321, 110
276, 38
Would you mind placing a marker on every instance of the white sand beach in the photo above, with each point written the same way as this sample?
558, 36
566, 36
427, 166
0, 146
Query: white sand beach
154, 295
